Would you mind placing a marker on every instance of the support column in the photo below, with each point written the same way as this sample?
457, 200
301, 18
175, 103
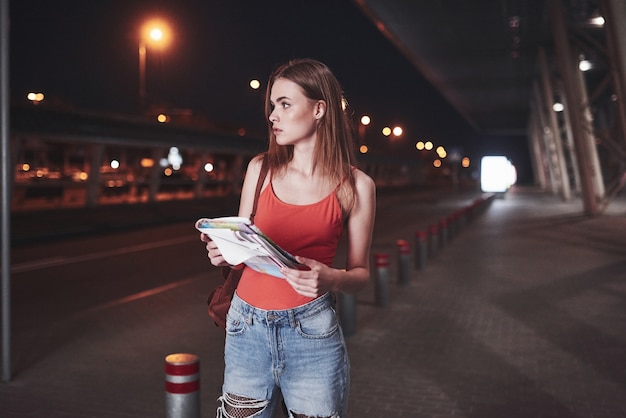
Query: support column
614, 12
236, 174
549, 144
591, 150
568, 145
93, 180
548, 100
154, 183
200, 160
534, 135
574, 104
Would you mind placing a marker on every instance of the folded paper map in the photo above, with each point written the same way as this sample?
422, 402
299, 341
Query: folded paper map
240, 241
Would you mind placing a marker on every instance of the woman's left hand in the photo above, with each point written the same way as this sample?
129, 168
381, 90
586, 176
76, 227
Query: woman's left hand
310, 283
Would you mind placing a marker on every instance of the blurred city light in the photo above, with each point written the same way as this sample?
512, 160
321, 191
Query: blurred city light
558, 107
428, 145
156, 33
36, 98
419, 145
255, 84
208, 167
397, 131
363, 149
437, 163
365, 120
386, 131
465, 162
174, 158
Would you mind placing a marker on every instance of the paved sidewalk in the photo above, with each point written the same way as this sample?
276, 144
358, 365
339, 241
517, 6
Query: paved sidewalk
522, 314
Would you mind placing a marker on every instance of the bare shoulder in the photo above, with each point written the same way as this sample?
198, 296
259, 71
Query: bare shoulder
254, 166
246, 201
364, 183
360, 199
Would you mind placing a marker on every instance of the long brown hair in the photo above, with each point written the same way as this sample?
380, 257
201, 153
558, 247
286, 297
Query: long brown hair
334, 149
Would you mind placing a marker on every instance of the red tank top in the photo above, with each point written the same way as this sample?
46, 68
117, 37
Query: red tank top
310, 231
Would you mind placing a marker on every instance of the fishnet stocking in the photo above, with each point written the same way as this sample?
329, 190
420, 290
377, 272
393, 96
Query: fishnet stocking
241, 407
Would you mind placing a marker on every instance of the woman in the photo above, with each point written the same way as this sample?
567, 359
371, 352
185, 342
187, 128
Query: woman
282, 334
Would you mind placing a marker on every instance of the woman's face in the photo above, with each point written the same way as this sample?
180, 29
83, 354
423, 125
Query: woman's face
294, 116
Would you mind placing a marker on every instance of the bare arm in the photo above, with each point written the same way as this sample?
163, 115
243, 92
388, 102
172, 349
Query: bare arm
245, 208
359, 229
249, 186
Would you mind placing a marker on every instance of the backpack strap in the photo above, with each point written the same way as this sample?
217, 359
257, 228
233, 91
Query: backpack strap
259, 185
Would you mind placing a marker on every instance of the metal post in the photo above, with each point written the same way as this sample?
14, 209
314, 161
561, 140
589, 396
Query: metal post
433, 240
347, 313
142, 75
452, 226
443, 232
404, 254
460, 218
420, 250
381, 261
6, 187
182, 386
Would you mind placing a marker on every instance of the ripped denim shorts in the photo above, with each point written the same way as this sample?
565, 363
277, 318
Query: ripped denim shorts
299, 353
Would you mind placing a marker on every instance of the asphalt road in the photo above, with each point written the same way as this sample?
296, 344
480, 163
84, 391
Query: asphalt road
146, 286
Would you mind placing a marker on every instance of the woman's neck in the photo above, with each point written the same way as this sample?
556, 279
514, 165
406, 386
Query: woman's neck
302, 161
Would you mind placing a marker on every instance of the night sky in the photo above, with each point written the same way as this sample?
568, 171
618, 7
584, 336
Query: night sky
85, 53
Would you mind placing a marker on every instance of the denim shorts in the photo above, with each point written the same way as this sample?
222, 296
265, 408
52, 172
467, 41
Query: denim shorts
298, 352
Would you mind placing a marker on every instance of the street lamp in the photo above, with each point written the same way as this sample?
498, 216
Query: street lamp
155, 33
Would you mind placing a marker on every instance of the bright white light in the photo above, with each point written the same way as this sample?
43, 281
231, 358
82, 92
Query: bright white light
208, 167
174, 158
497, 174
558, 107
597, 21
585, 65
115, 164
156, 34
